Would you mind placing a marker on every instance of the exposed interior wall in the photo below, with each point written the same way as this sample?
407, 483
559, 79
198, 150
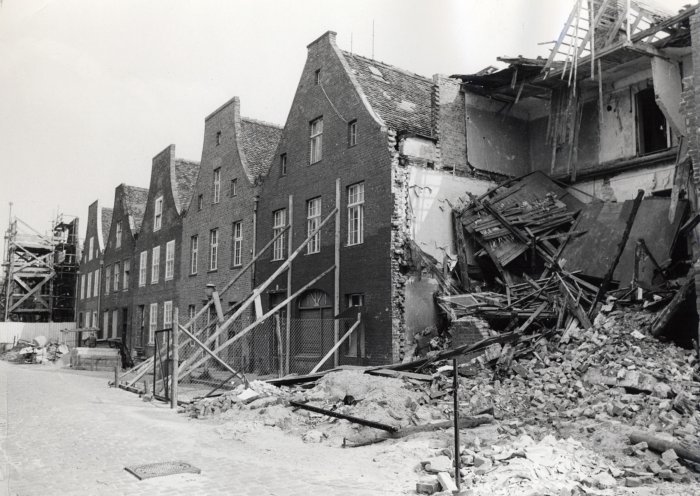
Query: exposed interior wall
667, 88
497, 136
449, 124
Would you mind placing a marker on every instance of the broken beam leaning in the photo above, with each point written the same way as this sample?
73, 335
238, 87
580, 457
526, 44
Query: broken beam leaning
349, 418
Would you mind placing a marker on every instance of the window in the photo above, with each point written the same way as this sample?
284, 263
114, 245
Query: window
356, 213
200, 202
117, 273
234, 187
355, 300
91, 248
352, 133
316, 140
356, 339
169, 260
213, 249
141, 321
279, 221
283, 164
194, 249
82, 286
105, 323
96, 286
653, 133
236, 243
118, 236
108, 279
152, 322
158, 215
89, 284
191, 312
317, 77
155, 265
167, 314
88, 320
313, 220
143, 268
217, 185
127, 269
115, 323
95, 322
218, 138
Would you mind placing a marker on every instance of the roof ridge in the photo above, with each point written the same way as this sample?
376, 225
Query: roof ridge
186, 161
389, 66
262, 123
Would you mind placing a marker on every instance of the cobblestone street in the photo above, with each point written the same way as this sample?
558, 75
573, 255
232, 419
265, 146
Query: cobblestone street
65, 432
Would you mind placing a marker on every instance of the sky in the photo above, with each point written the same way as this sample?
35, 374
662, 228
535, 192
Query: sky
91, 90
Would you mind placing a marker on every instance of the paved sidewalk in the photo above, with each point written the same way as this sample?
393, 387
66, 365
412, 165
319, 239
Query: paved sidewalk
65, 432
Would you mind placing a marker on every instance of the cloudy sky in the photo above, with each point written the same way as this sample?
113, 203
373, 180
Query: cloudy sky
91, 90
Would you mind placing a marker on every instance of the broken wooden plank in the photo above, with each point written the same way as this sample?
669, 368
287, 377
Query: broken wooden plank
684, 450
662, 319
349, 418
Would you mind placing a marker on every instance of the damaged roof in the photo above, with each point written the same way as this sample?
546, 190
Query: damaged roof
259, 142
401, 98
106, 220
135, 204
184, 176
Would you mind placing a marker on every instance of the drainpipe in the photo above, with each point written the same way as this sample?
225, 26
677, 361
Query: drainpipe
256, 199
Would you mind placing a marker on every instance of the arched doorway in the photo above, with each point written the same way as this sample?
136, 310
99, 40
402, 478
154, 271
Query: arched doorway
312, 332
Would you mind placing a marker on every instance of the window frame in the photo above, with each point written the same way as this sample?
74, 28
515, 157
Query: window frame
152, 322
234, 187
143, 268
118, 235
170, 260
313, 220
89, 284
167, 315
158, 214
352, 133
283, 164
155, 264
117, 272
126, 271
96, 284
194, 254
108, 279
200, 202
316, 140
213, 249
237, 244
91, 247
356, 214
216, 188
278, 224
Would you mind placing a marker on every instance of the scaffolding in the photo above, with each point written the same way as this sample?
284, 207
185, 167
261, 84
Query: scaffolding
40, 271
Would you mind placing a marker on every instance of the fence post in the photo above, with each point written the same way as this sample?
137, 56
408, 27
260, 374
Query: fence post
175, 359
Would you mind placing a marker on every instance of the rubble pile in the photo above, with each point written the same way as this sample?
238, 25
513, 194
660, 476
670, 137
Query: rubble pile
39, 350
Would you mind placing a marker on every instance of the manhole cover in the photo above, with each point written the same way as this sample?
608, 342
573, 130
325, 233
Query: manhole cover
160, 469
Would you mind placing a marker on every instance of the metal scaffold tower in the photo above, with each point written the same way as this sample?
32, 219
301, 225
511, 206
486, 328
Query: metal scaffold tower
40, 272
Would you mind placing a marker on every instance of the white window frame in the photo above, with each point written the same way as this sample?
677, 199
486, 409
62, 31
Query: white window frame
170, 260
95, 322
167, 314
279, 222
316, 140
117, 274
118, 235
356, 214
214, 249
108, 279
216, 196
143, 268
237, 244
91, 248
352, 133
126, 269
313, 220
155, 264
115, 323
96, 285
82, 286
89, 284
194, 254
152, 322
158, 214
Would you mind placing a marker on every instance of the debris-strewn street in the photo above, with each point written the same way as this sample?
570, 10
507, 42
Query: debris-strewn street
64, 432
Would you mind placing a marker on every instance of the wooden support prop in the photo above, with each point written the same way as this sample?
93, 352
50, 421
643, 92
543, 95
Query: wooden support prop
213, 355
191, 368
349, 418
620, 249
337, 345
462, 254
175, 360
532, 318
257, 291
683, 450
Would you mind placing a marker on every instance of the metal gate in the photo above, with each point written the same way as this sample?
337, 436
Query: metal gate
162, 364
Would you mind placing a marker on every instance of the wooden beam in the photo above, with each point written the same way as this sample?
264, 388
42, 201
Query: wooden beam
212, 354
336, 346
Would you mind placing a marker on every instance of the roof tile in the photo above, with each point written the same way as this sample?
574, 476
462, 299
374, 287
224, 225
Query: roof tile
259, 141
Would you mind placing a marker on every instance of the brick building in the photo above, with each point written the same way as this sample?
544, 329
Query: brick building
372, 131
89, 288
127, 216
218, 233
155, 265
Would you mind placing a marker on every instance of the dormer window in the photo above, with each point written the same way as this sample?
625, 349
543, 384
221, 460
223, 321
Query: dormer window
158, 214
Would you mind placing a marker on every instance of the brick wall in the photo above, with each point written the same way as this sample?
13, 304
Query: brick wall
691, 97
226, 156
449, 124
89, 263
148, 238
123, 298
364, 268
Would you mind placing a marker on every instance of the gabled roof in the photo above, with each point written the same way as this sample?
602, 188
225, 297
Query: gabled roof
135, 204
184, 177
401, 98
106, 214
259, 142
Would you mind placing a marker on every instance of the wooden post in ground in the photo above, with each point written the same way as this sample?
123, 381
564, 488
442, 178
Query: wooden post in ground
175, 360
116, 376
288, 319
336, 279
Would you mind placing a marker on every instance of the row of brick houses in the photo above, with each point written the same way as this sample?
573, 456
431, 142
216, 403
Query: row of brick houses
384, 153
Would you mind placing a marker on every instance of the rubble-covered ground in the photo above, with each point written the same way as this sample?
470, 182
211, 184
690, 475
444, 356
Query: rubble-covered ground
562, 414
